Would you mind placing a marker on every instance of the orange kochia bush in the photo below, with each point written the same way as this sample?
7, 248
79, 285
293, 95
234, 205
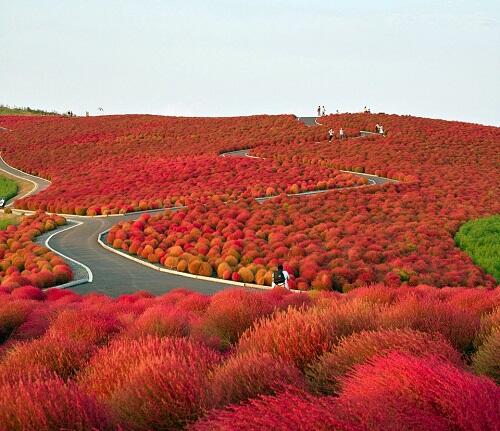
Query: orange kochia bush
26, 263
173, 361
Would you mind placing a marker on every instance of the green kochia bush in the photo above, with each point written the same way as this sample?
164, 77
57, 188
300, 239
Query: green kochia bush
481, 240
8, 188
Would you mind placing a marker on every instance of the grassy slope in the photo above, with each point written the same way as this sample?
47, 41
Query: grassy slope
8, 219
8, 188
5, 110
481, 240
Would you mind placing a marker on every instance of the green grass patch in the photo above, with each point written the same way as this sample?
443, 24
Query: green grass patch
8, 219
7, 110
8, 188
480, 239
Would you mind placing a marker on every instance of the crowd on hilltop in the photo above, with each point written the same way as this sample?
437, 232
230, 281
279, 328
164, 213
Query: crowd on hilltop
321, 111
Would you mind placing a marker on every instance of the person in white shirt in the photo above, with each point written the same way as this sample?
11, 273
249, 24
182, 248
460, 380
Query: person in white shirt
381, 130
331, 134
323, 111
341, 133
280, 277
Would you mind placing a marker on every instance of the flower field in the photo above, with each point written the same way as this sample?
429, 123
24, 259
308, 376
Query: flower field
23, 263
376, 358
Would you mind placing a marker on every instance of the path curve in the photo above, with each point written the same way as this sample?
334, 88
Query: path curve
112, 274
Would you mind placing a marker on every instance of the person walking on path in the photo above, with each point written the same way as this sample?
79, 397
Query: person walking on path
319, 111
381, 130
377, 128
331, 135
280, 277
341, 133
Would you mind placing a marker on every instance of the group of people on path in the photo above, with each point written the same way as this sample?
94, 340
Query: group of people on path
379, 129
331, 134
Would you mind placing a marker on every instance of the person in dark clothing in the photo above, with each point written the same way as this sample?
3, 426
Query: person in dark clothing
280, 277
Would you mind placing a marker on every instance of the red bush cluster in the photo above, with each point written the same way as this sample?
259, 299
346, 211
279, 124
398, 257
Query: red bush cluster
396, 234
143, 162
173, 361
25, 263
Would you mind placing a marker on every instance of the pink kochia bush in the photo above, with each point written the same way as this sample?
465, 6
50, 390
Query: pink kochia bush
291, 410
361, 347
251, 360
151, 383
47, 405
402, 392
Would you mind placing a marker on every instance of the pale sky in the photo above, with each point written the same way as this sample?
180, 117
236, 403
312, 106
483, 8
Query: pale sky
228, 57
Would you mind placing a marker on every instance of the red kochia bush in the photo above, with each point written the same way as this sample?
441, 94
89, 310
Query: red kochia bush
47, 405
291, 410
426, 314
160, 321
90, 327
28, 292
61, 355
358, 348
231, 312
300, 336
12, 315
151, 383
245, 376
402, 392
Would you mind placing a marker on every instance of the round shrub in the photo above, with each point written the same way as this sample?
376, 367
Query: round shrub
290, 410
160, 321
403, 392
151, 383
458, 326
246, 275
61, 355
487, 358
50, 404
12, 315
231, 312
28, 292
301, 336
92, 328
358, 348
205, 269
246, 376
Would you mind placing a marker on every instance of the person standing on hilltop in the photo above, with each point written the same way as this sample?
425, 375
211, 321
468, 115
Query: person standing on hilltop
323, 112
319, 111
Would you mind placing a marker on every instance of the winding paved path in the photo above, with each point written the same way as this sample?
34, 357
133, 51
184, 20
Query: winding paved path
112, 274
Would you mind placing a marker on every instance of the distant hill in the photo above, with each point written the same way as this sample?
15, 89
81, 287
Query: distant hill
7, 110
